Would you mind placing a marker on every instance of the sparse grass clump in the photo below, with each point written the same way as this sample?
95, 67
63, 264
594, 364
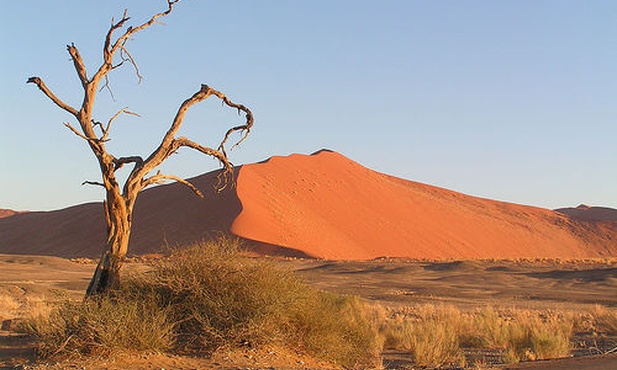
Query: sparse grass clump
533, 337
430, 333
490, 328
8, 306
435, 335
206, 297
604, 320
436, 343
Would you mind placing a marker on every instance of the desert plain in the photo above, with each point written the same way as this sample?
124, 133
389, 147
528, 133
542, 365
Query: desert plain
31, 283
400, 245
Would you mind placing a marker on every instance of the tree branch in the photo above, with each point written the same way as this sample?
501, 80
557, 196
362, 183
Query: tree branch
223, 178
159, 179
170, 143
130, 58
95, 183
106, 86
41, 85
105, 130
107, 46
78, 62
119, 162
186, 142
165, 149
110, 47
244, 129
68, 125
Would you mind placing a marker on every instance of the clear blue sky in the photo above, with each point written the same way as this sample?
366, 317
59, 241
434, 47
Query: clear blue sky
510, 100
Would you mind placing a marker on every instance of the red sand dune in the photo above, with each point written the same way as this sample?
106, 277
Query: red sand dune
331, 207
325, 206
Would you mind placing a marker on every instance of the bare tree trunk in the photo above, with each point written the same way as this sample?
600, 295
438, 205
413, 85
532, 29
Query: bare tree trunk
119, 218
106, 276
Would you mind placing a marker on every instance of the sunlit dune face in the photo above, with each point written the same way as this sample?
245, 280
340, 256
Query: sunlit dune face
331, 207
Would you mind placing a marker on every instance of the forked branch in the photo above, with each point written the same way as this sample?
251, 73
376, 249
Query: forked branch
171, 144
110, 47
243, 129
125, 56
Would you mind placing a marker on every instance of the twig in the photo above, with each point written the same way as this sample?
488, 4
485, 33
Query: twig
158, 179
95, 183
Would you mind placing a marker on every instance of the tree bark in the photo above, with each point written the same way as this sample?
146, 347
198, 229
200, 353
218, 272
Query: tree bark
118, 215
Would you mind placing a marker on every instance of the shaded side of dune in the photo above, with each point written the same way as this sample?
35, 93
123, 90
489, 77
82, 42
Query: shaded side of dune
168, 215
71, 232
587, 213
331, 207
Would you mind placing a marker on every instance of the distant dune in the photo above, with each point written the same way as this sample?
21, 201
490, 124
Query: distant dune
325, 206
584, 212
7, 213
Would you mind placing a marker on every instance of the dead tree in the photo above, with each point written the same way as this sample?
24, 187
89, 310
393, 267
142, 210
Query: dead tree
120, 200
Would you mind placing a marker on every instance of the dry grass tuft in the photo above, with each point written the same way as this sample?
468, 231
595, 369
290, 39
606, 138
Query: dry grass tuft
9, 307
103, 326
430, 333
534, 336
604, 320
434, 335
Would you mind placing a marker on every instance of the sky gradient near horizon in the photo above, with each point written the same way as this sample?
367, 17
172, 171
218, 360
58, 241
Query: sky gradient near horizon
508, 100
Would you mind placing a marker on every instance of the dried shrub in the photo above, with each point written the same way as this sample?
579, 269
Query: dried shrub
102, 326
206, 297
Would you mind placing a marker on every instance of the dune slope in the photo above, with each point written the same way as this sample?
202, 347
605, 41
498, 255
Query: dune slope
331, 207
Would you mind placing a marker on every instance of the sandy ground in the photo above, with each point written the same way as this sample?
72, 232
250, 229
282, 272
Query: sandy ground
534, 284
522, 284
593, 363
